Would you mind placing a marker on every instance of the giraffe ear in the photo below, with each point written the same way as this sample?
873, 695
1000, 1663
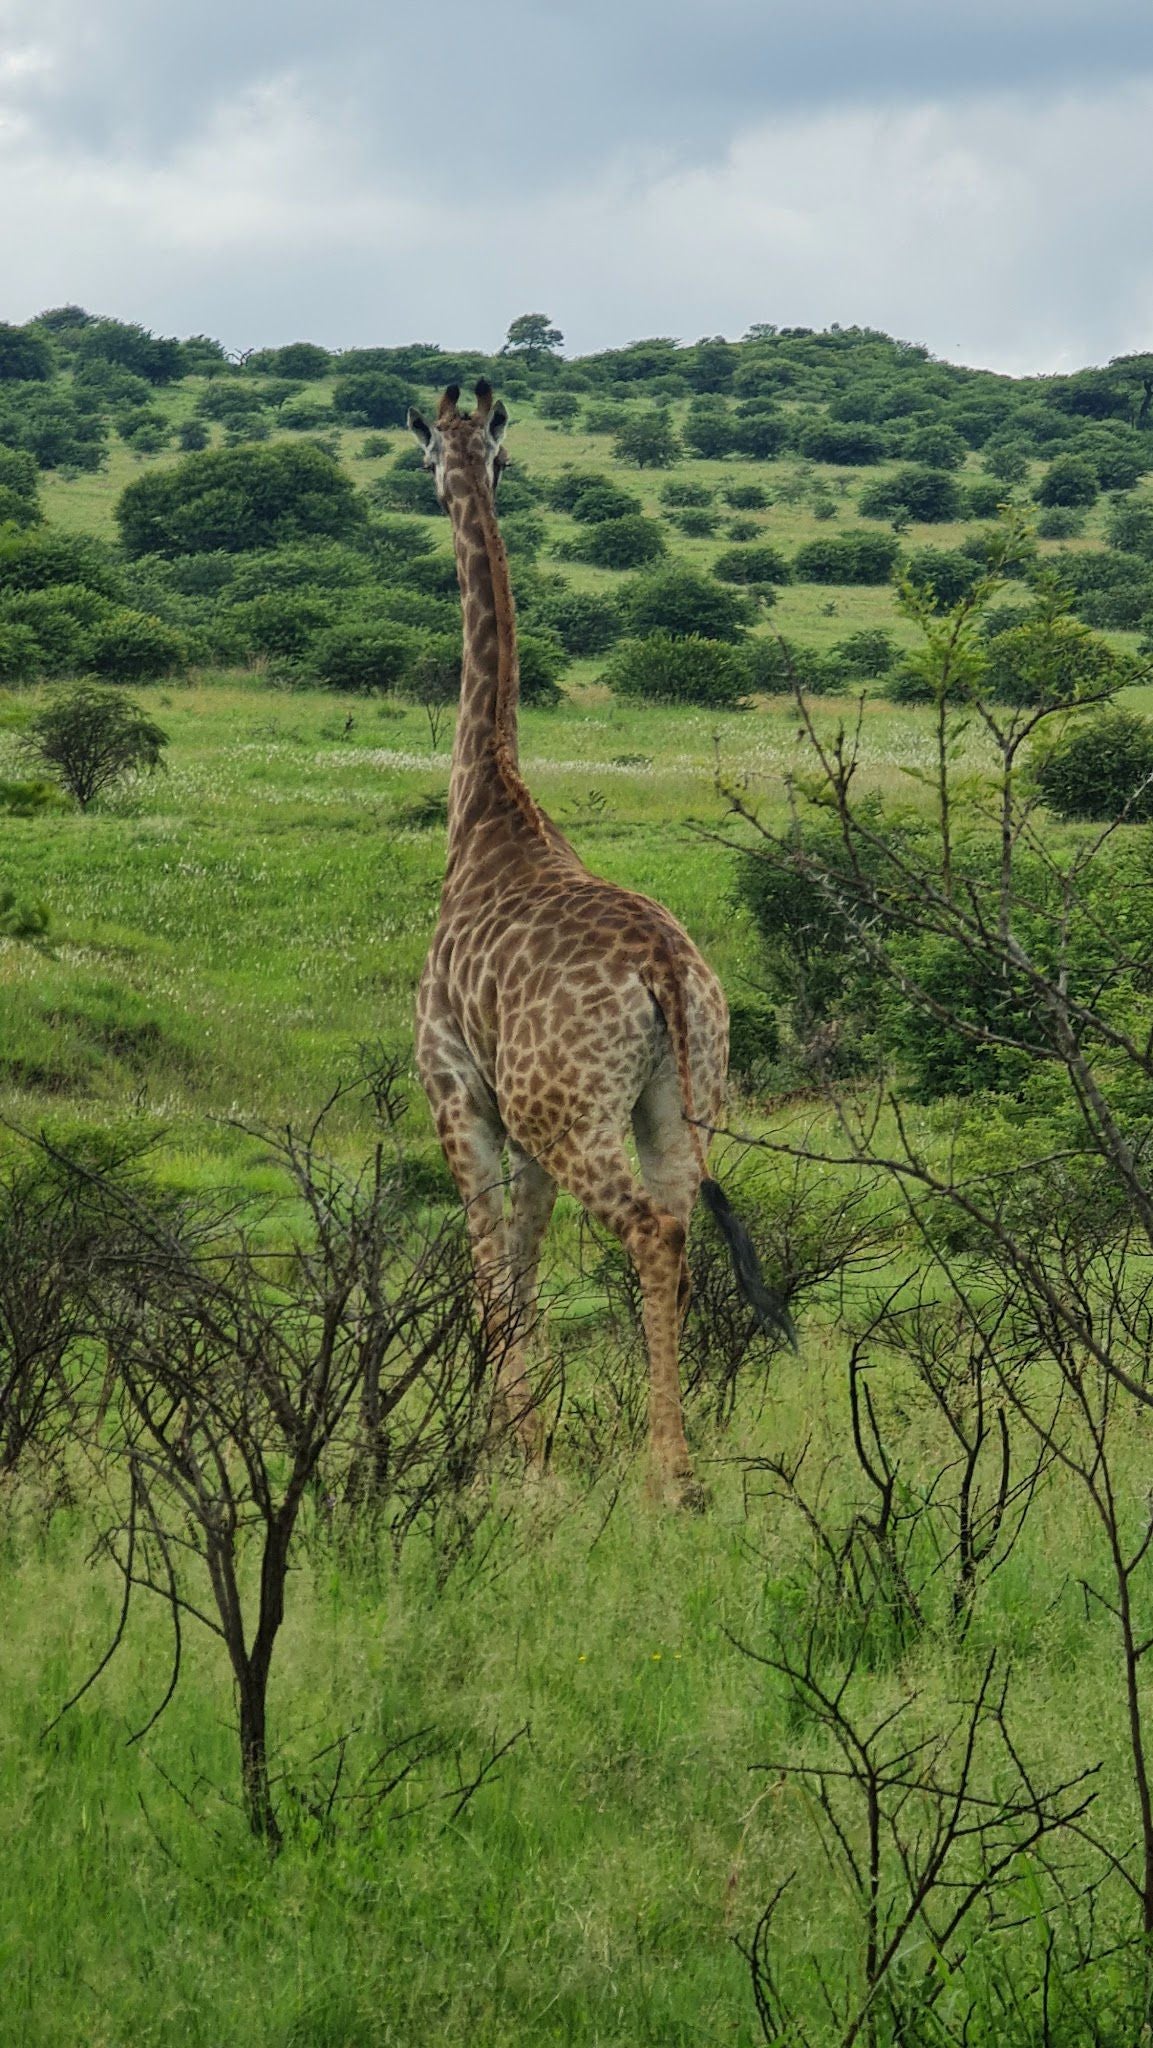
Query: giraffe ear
497, 421
419, 426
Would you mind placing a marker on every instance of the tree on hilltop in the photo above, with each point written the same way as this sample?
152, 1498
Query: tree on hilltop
531, 335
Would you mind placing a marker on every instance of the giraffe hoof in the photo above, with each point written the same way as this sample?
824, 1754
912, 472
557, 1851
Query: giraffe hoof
680, 1490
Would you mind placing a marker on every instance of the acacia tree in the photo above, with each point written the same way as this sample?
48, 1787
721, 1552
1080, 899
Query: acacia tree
91, 738
533, 336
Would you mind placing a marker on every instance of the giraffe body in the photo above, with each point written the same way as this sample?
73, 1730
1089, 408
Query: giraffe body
556, 1011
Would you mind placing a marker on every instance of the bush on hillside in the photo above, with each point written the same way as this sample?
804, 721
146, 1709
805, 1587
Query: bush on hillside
372, 400
239, 499
760, 433
1060, 522
943, 575
281, 623
647, 439
850, 446
617, 543
847, 558
664, 669
1129, 527
583, 623
759, 563
928, 496
605, 501
1051, 659
61, 620
19, 654
1100, 769
45, 556
745, 497
1069, 480
132, 647
681, 602
92, 738
363, 654
981, 500
681, 496
936, 445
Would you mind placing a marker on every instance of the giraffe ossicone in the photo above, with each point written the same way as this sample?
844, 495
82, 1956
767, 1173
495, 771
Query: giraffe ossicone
556, 1010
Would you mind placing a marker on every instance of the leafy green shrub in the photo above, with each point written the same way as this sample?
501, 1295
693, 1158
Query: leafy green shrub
618, 543
741, 530
21, 920
363, 654
542, 663
301, 359
281, 622
304, 414
61, 619
754, 1043
850, 445
980, 500
19, 654
665, 669
760, 432
228, 398
1069, 480
238, 499
745, 497
561, 406
372, 400
866, 655
92, 738
1129, 527
933, 446
35, 560
647, 439
1061, 522
929, 496
130, 646
583, 623
758, 564
192, 436
684, 496
606, 419
1098, 768
710, 431
681, 602
847, 558
1051, 659
695, 522
605, 501
945, 575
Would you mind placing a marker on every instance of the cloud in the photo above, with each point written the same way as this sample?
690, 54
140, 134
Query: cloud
1002, 223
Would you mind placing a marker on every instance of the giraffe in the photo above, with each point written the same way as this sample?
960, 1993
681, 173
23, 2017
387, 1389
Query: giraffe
556, 1009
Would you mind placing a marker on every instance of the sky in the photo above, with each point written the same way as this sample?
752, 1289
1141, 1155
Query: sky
975, 177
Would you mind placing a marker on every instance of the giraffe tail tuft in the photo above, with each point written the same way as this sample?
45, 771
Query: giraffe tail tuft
769, 1309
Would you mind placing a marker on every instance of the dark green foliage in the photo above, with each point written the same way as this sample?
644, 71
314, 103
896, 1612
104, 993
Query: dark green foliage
936, 446
667, 669
53, 426
853, 447
939, 1057
301, 359
238, 499
363, 654
1051, 659
533, 336
944, 574
1007, 458
583, 623
618, 543
132, 647
1060, 522
543, 661
26, 800
605, 419
604, 501
759, 563
681, 602
980, 500
228, 398
684, 496
710, 430
301, 415
192, 436
754, 1043
647, 439
1100, 769
1069, 480
929, 496
524, 535
760, 432
372, 400
25, 356
157, 358
61, 620
91, 739
1129, 526
847, 558
745, 497
281, 622
866, 655
19, 654
36, 560
561, 406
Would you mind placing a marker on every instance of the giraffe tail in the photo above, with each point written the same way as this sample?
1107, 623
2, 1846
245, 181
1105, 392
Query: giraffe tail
770, 1311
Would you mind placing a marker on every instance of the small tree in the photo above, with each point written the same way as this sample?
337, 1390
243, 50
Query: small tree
664, 670
649, 439
1068, 481
534, 336
91, 738
1101, 769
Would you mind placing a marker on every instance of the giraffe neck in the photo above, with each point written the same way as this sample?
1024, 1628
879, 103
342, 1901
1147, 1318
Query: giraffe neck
485, 774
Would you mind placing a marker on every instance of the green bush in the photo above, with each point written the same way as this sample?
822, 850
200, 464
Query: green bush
281, 622
665, 669
756, 564
239, 499
1051, 659
685, 496
745, 497
1060, 522
61, 620
1098, 768
372, 400
945, 575
935, 446
850, 445
695, 522
618, 543
192, 436
583, 623
133, 647
605, 501
847, 558
760, 433
681, 602
19, 654
754, 1043
1129, 527
91, 739
1069, 480
981, 500
35, 560
929, 496
363, 654
28, 800
647, 439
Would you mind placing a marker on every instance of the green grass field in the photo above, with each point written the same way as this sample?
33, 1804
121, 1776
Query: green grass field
224, 936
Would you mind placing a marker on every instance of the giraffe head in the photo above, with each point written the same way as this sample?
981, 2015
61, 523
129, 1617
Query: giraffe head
463, 447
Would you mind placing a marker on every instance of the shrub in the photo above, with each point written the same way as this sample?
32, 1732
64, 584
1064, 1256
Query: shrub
847, 558
584, 624
238, 499
562, 406
37, 560
695, 523
935, 446
943, 574
867, 654
981, 500
682, 496
192, 436
131, 646
606, 419
1069, 480
302, 359
665, 669
60, 620
363, 654
1006, 458
852, 445
305, 413
745, 497
19, 654
543, 661
1051, 659
1098, 768
372, 400
228, 398
1129, 527
92, 738
681, 603
25, 356
742, 530
754, 1043
647, 439
757, 564
619, 543
281, 622
710, 430
605, 501
1060, 522
26, 800
926, 495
